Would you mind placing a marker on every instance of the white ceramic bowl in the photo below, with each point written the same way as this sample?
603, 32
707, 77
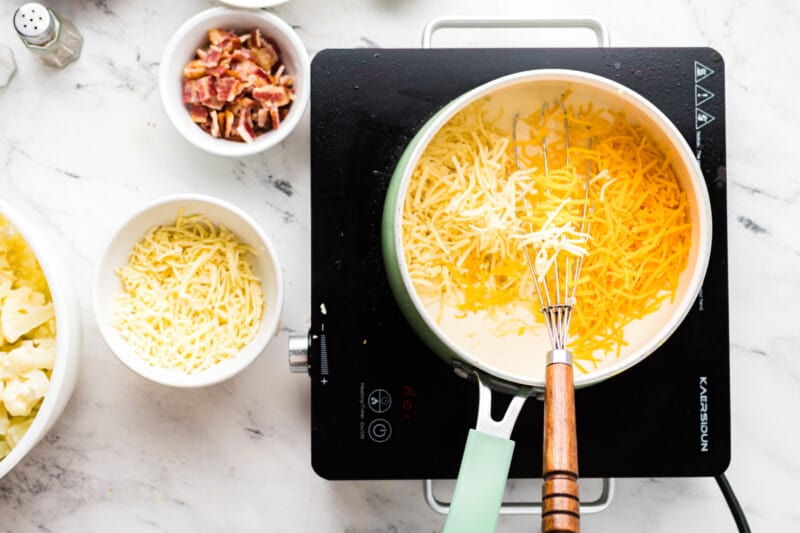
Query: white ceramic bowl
107, 285
192, 35
68, 337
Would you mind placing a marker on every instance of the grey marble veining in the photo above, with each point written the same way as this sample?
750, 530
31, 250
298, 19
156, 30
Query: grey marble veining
82, 146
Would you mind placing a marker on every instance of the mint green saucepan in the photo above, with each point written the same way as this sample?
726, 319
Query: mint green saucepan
487, 455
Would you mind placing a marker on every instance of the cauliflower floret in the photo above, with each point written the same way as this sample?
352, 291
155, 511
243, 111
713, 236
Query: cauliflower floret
22, 393
23, 310
45, 331
37, 354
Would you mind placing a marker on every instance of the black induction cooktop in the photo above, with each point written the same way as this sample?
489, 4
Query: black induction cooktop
385, 407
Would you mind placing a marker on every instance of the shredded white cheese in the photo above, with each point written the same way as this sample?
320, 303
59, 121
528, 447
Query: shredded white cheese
191, 298
469, 218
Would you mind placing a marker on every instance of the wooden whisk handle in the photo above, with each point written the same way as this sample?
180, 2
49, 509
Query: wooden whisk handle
560, 503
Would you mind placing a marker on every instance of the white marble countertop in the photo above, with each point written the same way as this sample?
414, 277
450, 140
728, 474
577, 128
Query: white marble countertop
82, 146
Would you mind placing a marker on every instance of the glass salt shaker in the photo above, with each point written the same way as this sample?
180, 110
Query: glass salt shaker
51, 37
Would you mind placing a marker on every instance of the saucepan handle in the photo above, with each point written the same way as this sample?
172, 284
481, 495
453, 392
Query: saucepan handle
481, 481
560, 503
593, 24
482, 476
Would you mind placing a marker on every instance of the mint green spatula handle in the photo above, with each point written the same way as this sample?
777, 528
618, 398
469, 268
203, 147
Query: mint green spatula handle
480, 485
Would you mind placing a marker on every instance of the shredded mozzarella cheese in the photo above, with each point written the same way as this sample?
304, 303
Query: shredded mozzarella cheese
191, 298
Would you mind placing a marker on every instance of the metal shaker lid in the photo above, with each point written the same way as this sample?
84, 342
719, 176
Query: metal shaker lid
34, 23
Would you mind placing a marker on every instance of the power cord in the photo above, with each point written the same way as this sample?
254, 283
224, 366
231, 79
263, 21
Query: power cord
733, 504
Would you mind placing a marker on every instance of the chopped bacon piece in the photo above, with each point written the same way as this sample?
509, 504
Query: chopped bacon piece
199, 113
276, 119
261, 117
265, 56
205, 89
243, 104
273, 94
212, 57
243, 54
202, 91
213, 103
229, 88
259, 78
249, 72
244, 127
188, 91
219, 70
245, 68
226, 46
214, 124
228, 124
207, 93
216, 36
194, 69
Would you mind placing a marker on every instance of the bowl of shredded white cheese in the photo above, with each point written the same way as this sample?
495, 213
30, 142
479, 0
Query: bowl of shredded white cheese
188, 291
39, 336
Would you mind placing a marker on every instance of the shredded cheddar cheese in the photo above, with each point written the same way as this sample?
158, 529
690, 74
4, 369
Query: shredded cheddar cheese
470, 215
191, 298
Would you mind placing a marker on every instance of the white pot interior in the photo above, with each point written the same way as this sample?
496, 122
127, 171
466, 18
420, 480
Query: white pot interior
521, 359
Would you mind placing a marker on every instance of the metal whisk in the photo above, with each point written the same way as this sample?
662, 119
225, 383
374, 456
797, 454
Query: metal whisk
556, 290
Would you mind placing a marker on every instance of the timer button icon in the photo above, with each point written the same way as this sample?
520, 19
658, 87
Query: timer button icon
379, 430
379, 400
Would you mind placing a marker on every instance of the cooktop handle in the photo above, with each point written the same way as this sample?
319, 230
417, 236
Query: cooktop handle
596, 25
601, 503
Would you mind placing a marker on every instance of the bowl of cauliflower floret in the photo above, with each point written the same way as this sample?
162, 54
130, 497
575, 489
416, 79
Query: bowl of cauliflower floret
39, 338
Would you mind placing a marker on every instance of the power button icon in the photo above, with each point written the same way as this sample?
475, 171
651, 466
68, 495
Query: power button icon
379, 430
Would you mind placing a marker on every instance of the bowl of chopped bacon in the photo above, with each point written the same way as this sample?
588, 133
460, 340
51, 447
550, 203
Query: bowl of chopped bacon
234, 82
